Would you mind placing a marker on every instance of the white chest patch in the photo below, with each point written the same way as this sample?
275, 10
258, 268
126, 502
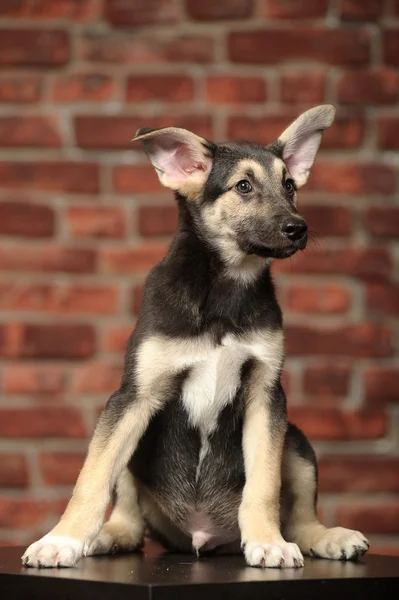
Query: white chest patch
214, 371
212, 385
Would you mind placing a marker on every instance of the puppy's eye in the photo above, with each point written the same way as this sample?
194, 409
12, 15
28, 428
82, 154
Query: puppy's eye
243, 186
290, 186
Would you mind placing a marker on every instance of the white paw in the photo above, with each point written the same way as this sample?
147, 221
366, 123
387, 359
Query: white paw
281, 555
53, 551
340, 544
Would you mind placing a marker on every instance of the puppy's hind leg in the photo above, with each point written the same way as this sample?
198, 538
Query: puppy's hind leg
124, 531
299, 498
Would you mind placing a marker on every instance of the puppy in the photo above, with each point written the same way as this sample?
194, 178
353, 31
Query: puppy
195, 444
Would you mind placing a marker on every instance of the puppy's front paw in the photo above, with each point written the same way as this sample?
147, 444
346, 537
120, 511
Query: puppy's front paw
339, 543
281, 555
53, 551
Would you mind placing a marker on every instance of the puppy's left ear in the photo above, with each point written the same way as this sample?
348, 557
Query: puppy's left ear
301, 140
181, 159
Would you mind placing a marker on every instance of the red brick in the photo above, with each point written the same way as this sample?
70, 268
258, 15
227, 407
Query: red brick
42, 422
361, 474
157, 220
383, 299
22, 513
60, 468
388, 131
97, 221
166, 88
35, 132
327, 379
352, 178
365, 263
26, 219
13, 471
13, 8
326, 220
113, 49
292, 9
77, 10
383, 221
59, 298
137, 179
363, 340
41, 47
390, 41
324, 298
186, 48
116, 338
382, 385
271, 46
369, 86
335, 424
34, 379
370, 518
23, 89
134, 260
116, 132
208, 10
82, 87
55, 176
136, 299
48, 258
97, 377
62, 340
304, 86
225, 89
359, 10
140, 12
345, 133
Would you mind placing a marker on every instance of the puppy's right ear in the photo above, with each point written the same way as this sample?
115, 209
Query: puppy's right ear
181, 159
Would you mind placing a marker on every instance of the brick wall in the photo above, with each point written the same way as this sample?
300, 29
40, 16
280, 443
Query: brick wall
83, 218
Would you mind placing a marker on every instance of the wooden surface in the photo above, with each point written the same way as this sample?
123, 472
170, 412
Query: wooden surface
158, 575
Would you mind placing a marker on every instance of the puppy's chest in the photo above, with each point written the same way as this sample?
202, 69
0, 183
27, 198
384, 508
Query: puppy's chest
212, 384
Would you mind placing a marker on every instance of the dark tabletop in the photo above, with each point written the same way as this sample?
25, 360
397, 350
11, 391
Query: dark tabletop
158, 575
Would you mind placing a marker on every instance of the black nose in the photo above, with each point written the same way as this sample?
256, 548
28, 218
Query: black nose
294, 229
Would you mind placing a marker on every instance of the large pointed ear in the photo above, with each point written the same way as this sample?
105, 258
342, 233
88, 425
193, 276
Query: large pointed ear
181, 159
301, 140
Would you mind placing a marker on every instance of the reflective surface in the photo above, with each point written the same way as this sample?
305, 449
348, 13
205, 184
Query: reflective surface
155, 567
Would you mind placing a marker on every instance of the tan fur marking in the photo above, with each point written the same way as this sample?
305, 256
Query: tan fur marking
278, 166
124, 530
259, 510
243, 166
106, 458
301, 517
301, 523
158, 359
191, 188
225, 216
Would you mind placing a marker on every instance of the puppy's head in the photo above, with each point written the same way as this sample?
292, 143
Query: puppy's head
241, 195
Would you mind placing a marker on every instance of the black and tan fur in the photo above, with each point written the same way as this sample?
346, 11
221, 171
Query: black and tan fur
195, 443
